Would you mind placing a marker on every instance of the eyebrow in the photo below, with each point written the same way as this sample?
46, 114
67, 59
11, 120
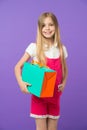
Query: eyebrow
48, 23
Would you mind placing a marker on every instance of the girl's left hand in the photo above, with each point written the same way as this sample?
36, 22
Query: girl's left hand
61, 87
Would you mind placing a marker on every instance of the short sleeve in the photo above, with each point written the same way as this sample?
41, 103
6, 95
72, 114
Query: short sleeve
65, 52
31, 49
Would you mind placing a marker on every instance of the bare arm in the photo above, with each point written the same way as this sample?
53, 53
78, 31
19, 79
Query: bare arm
61, 86
66, 73
18, 68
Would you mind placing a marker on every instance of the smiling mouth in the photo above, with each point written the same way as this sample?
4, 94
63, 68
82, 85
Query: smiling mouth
47, 33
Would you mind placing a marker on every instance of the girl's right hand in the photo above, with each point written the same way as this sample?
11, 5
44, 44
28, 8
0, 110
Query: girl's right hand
23, 86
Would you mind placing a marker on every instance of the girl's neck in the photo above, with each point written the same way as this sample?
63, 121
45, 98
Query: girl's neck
49, 42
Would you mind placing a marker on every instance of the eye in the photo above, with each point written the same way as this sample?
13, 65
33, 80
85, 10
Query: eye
51, 24
43, 25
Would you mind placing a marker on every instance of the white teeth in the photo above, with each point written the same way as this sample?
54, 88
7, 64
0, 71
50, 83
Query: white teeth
47, 33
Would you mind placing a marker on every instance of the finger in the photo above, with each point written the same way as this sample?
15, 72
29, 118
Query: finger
59, 85
28, 84
27, 91
59, 89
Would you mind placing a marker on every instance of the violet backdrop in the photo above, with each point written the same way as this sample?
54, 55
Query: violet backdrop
18, 25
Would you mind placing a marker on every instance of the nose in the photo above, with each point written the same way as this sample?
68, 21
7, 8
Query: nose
47, 27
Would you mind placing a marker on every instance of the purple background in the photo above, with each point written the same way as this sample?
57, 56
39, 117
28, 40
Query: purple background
18, 24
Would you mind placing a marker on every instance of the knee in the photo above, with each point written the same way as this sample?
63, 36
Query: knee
41, 124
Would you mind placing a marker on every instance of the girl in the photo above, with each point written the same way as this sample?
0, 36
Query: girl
49, 51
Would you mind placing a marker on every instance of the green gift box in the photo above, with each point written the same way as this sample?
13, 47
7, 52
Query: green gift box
42, 79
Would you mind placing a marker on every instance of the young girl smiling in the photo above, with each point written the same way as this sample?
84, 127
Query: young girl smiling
49, 51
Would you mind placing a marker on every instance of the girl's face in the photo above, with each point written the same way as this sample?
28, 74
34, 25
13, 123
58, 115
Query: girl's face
48, 28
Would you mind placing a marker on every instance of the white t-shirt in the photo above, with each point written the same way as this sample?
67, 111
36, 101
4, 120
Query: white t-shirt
52, 52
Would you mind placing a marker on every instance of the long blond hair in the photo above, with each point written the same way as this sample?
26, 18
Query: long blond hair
56, 38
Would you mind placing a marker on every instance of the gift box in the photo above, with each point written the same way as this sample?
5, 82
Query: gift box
41, 78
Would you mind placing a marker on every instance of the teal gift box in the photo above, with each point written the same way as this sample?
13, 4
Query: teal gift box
42, 79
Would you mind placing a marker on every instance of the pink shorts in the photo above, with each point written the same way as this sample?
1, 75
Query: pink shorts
41, 109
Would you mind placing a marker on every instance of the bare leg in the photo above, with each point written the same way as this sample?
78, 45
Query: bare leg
41, 124
52, 124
